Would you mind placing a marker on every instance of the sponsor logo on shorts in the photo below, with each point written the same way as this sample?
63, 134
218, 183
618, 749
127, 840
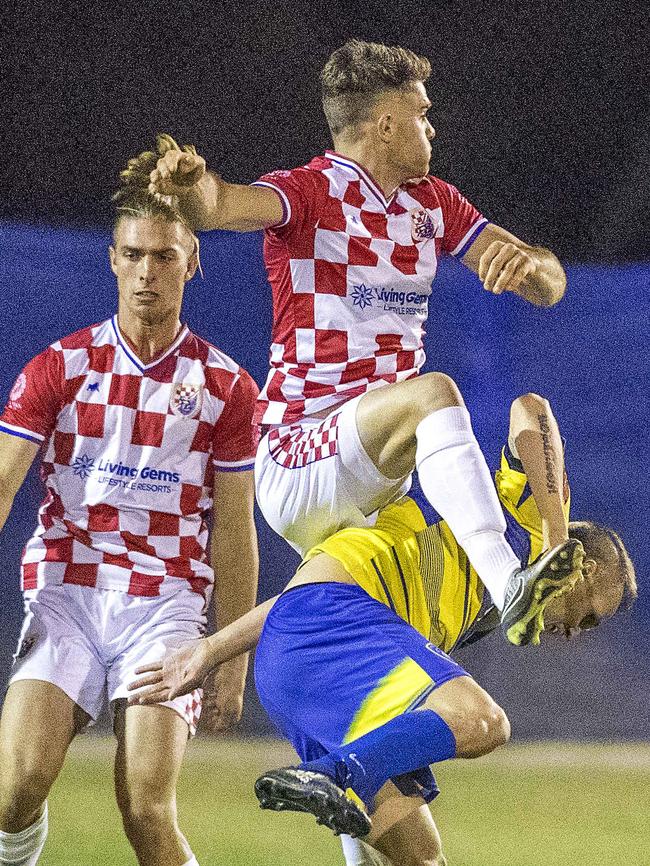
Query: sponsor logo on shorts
435, 650
185, 400
390, 300
25, 647
117, 474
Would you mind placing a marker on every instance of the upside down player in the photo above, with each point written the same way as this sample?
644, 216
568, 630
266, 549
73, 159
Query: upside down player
349, 663
352, 243
144, 427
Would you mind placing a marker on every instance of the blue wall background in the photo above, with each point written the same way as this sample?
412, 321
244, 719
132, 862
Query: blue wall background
588, 355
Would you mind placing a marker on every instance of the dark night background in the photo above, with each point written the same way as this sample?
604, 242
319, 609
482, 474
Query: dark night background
539, 108
541, 119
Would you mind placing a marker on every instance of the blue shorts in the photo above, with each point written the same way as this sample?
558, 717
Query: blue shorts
332, 663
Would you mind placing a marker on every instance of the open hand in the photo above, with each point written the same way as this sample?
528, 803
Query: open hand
178, 673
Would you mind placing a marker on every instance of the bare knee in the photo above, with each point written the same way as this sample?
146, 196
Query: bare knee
143, 804
147, 817
413, 840
435, 391
478, 723
148, 809
23, 791
482, 729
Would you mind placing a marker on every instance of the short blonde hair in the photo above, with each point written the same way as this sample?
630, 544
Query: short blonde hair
606, 545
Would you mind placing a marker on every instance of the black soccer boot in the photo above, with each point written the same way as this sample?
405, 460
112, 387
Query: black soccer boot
529, 590
296, 790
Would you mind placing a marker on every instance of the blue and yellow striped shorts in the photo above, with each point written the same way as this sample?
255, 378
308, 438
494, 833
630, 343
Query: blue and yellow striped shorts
333, 663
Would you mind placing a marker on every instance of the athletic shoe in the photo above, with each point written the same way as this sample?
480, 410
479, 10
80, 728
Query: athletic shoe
295, 790
530, 589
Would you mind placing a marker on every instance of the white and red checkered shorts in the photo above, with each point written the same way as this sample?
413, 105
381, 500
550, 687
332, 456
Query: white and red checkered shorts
89, 641
294, 447
314, 477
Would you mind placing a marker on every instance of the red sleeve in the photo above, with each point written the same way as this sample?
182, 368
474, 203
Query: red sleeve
296, 189
36, 398
235, 436
463, 222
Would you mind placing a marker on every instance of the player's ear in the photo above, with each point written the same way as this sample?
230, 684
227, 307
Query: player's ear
386, 127
111, 258
194, 261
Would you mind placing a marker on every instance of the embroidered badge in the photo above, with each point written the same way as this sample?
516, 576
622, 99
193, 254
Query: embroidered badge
185, 400
422, 227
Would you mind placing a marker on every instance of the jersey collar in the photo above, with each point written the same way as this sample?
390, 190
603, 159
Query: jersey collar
121, 341
366, 177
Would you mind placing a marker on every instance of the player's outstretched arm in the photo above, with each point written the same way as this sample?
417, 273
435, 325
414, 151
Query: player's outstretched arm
534, 438
207, 201
186, 668
503, 263
16, 456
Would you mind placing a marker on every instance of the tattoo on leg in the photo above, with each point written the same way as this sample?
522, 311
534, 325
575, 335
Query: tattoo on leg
549, 456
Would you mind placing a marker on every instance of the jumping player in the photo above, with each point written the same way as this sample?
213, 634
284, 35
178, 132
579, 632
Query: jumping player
352, 244
144, 427
353, 664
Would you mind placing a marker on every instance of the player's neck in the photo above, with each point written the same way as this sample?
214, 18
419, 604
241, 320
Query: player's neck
148, 340
387, 177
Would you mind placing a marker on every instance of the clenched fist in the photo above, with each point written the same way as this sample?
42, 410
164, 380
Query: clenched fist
177, 168
504, 267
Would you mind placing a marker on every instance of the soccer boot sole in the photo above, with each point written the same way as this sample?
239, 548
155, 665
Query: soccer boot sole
554, 573
294, 790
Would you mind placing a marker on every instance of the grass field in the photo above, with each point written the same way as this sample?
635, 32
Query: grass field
528, 805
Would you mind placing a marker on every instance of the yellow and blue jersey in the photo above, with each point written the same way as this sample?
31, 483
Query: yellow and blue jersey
336, 661
410, 561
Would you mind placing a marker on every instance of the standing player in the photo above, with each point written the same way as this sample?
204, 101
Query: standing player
352, 245
348, 665
145, 428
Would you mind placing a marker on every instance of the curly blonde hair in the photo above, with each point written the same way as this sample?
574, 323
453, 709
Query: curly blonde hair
133, 198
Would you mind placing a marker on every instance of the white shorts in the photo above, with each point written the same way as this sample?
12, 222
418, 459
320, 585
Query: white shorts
89, 641
314, 477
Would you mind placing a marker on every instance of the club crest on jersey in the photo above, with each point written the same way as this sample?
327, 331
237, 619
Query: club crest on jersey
185, 400
422, 227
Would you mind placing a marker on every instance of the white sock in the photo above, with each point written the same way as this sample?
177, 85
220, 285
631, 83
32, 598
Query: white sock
24, 848
358, 853
192, 862
457, 482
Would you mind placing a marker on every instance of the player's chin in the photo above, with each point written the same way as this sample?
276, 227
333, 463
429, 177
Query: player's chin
422, 169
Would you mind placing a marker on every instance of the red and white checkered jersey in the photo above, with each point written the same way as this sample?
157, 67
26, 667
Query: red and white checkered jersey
130, 452
351, 274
